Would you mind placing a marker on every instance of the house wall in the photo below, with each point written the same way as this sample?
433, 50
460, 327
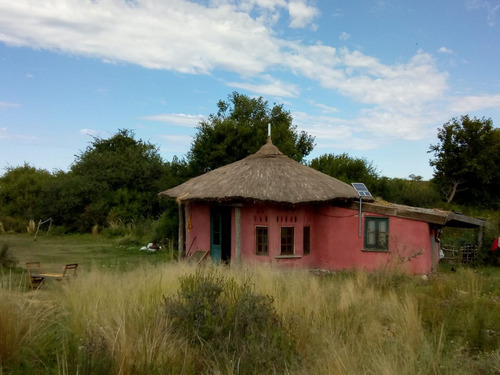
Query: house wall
197, 217
410, 242
335, 243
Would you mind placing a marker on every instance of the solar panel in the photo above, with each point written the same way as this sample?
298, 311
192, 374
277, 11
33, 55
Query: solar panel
361, 189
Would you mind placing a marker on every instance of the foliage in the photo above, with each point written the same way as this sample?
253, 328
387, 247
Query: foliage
466, 161
20, 190
240, 128
413, 192
230, 323
113, 179
165, 229
346, 168
7, 260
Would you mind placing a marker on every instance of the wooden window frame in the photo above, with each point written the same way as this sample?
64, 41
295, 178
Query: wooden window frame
260, 243
381, 237
287, 241
306, 240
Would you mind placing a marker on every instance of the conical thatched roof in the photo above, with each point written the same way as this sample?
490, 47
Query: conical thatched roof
269, 176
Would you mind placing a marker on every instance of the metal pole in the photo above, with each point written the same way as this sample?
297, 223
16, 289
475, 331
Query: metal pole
360, 213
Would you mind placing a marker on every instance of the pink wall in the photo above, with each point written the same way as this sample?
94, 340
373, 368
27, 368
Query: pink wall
274, 218
335, 243
197, 218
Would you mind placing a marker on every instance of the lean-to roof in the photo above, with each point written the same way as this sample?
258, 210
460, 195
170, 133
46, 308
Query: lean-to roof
429, 215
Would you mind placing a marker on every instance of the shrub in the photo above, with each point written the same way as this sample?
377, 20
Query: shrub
230, 324
7, 260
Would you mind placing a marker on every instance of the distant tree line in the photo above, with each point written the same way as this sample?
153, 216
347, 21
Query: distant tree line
116, 181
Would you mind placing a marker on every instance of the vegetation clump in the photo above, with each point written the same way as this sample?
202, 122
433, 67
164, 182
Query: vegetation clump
230, 324
7, 260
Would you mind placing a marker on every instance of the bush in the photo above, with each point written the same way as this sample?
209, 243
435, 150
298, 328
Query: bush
230, 325
7, 260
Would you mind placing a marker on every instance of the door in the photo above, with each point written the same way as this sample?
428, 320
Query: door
220, 234
215, 235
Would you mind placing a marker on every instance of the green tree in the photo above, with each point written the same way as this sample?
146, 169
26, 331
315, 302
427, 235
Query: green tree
240, 128
466, 161
346, 168
413, 192
20, 192
115, 179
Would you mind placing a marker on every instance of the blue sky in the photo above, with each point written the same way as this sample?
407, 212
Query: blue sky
373, 79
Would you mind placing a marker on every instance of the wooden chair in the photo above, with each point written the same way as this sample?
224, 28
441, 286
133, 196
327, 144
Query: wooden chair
67, 270
34, 276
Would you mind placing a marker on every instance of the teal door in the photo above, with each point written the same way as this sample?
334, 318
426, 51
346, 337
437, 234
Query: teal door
215, 235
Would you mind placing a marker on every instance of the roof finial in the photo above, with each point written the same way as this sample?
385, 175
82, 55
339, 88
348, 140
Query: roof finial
269, 130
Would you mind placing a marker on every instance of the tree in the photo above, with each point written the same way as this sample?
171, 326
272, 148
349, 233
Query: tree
115, 179
240, 128
466, 163
346, 168
20, 191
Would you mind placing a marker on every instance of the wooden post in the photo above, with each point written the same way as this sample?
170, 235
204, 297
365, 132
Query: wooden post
237, 234
181, 230
480, 234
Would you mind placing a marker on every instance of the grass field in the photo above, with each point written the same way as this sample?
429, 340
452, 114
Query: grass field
86, 250
135, 313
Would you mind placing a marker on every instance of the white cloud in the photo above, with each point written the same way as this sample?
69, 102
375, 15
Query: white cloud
178, 119
91, 132
175, 143
491, 7
175, 35
344, 36
301, 14
445, 50
237, 37
3, 133
5, 105
475, 103
271, 87
325, 108
365, 79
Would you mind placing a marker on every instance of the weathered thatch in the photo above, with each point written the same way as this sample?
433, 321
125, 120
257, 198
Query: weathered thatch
268, 176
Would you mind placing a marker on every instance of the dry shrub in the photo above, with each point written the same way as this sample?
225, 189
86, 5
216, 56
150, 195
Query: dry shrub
31, 228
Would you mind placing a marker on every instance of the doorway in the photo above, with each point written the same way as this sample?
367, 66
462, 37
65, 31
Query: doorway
220, 234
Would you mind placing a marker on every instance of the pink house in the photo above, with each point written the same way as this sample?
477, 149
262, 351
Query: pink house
268, 208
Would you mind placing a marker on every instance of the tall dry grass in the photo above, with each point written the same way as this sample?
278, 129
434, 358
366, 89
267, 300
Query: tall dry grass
346, 323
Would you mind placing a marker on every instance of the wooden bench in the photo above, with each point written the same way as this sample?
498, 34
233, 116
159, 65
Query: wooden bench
37, 278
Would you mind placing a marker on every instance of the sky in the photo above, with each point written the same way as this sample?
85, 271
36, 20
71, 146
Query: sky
373, 79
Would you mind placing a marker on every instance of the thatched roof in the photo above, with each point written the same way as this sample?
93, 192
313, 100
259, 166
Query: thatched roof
268, 176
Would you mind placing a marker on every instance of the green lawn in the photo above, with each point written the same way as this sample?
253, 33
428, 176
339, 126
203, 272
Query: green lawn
90, 252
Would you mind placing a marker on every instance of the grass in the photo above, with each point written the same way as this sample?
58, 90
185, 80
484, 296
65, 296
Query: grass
116, 320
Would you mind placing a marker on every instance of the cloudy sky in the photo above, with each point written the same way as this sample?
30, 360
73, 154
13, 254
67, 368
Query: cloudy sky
374, 79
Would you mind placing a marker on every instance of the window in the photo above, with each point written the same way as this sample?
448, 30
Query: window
287, 236
377, 233
261, 240
307, 240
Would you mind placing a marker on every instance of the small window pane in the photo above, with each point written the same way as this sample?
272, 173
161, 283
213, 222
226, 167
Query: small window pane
261, 240
287, 239
377, 233
307, 240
